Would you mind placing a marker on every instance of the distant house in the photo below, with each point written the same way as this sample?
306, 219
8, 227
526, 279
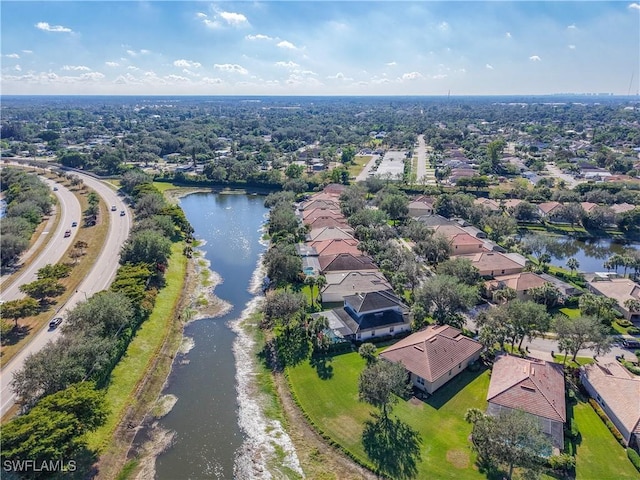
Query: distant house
329, 233
368, 315
463, 243
491, 264
522, 283
421, 206
512, 203
326, 221
310, 215
618, 392
346, 262
621, 290
434, 356
449, 230
531, 385
313, 203
488, 203
620, 208
336, 246
334, 189
345, 283
546, 209
588, 207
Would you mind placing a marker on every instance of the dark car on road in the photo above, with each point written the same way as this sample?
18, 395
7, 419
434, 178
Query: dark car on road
630, 343
74, 224
67, 233
55, 322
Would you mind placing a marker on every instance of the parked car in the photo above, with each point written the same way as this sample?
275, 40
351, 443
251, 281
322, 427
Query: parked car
122, 213
55, 322
629, 343
55, 189
74, 224
113, 208
67, 233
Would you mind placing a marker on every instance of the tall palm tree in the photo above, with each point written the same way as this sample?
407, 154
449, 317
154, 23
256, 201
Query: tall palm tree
311, 281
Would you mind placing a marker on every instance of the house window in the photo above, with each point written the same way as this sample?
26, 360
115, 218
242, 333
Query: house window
419, 380
459, 365
391, 329
502, 272
358, 337
449, 372
373, 333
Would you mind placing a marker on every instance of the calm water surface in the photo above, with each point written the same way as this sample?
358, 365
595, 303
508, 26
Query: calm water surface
591, 254
205, 416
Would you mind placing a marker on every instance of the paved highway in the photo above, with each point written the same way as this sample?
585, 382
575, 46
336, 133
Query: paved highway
69, 211
99, 278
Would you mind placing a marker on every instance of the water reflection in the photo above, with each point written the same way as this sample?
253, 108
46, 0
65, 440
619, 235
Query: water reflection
591, 254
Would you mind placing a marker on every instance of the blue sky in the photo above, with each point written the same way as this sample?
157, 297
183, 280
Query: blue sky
319, 47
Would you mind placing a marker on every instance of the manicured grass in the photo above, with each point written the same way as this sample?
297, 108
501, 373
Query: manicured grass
125, 378
163, 186
361, 161
332, 405
599, 456
559, 358
570, 312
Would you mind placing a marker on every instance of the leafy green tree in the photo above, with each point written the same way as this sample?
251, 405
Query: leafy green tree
538, 245
283, 264
500, 226
573, 264
105, 313
294, 170
43, 289
546, 294
512, 439
526, 212
462, 269
368, 352
57, 271
575, 334
55, 427
73, 159
599, 306
348, 154
396, 206
17, 309
434, 249
380, 385
147, 246
504, 295
629, 222
11, 246
446, 298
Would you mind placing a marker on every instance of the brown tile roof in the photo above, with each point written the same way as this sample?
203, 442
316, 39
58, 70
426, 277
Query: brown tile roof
620, 289
548, 207
448, 230
346, 261
512, 203
535, 386
324, 221
321, 212
335, 246
620, 391
465, 239
494, 261
313, 203
518, 281
588, 206
489, 203
432, 352
327, 233
622, 207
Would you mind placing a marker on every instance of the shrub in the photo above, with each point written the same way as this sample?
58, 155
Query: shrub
633, 331
562, 462
623, 322
631, 367
634, 457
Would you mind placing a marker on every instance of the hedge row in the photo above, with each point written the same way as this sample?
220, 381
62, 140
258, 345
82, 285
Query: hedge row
612, 428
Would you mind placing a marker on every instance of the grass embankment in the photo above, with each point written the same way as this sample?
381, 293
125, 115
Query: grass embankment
94, 237
129, 388
330, 402
598, 455
360, 162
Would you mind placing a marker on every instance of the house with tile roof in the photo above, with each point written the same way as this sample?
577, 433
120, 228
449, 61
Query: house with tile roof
545, 209
346, 261
621, 290
329, 233
620, 208
422, 205
463, 243
309, 215
490, 264
434, 356
368, 315
617, 391
488, 203
342, 284
314, 203
534, 386
522, 283
326, 221
336, 246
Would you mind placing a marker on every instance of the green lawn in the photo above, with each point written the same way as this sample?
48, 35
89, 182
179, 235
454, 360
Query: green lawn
132, 367
599, 456
570, 312
332, 405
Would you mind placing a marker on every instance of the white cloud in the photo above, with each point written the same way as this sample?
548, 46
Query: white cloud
52, 28
443, 27
201, 15
132, 67
144, 52
535, 58
133, 53
634, 6
572, 47
412, 76
231, 67
27, 51
177, 79
286, 44
572, 27
17, 68
340, 76
288, 64
488, 66
439, 76
112, 64
234, 19
212, 81
12, 55
91, 77
77, 68
259, 36
186, 63
508, 34
391, 64
186, 71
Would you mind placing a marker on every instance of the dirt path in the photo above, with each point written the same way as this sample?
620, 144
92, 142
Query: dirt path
318, 459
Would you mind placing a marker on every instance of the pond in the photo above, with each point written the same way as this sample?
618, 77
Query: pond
591, 254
